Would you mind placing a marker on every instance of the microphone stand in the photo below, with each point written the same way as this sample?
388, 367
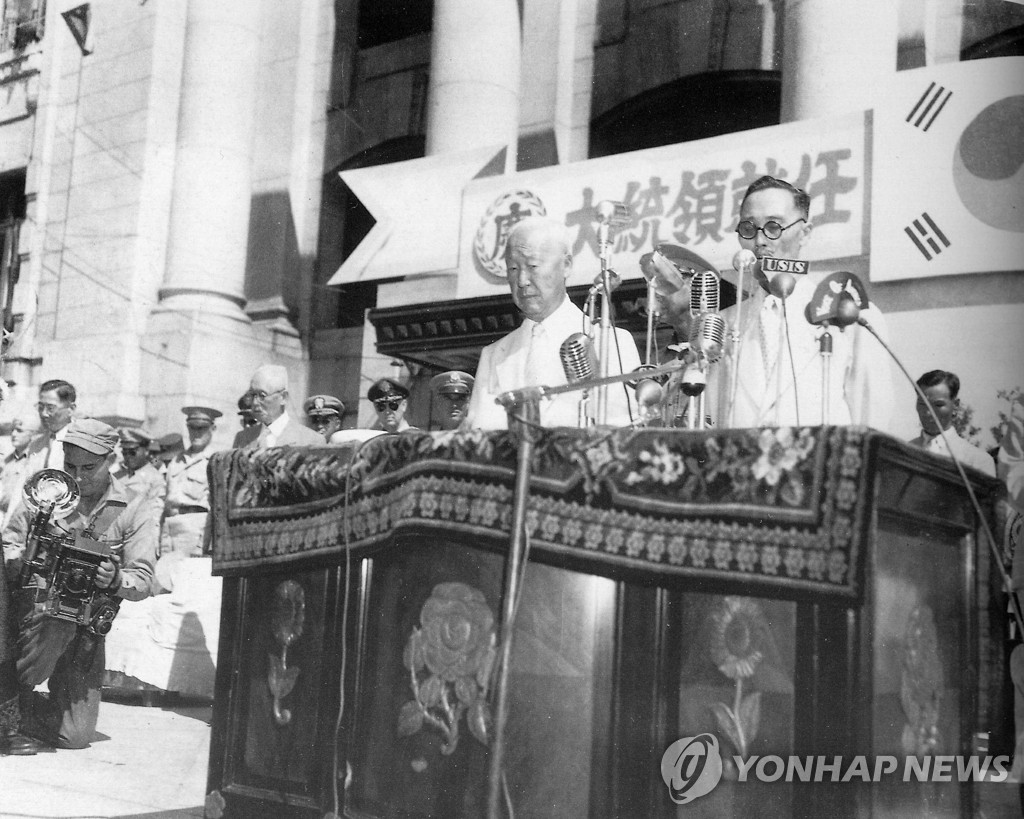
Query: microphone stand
737, 335
524, 423
652, 316
606, 318
825, 346
523, 408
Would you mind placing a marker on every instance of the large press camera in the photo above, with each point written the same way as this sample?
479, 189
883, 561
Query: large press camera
68, 563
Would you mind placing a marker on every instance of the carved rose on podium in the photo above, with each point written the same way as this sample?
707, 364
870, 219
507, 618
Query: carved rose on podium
449, 660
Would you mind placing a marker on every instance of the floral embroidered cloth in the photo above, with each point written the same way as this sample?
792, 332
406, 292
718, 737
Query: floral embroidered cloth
781, 507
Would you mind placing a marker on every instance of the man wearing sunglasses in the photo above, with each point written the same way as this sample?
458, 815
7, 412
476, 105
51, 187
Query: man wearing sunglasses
780, 379
269, 391
390, 399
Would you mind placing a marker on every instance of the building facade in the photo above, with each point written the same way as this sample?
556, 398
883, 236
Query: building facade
192, 189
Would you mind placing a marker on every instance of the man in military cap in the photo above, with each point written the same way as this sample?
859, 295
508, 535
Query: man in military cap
59, 650
188, 493
137, 471
390, 399
246, 414
452, 389
324, 413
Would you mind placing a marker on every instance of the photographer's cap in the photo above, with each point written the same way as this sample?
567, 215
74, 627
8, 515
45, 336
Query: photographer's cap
92, 436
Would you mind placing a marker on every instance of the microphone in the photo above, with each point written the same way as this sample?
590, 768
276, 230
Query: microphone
782, 285
579, 361
707, 336
704, 293
614, 280
649, 394
837, 300
694, 380
744, 261
609, 214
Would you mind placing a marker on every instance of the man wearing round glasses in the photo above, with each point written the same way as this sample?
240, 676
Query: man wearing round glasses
269, 392
390, 399
781, 380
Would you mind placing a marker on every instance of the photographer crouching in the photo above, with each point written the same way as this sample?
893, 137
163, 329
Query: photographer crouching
69, 583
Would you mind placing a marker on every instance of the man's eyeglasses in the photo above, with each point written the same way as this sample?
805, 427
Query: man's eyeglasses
383, 403
771, 228
262, 395
49, 409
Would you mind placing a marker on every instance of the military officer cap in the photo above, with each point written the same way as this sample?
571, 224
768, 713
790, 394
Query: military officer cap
200, 416
320, 405
386, 388
134, 437
170, 445
453, 382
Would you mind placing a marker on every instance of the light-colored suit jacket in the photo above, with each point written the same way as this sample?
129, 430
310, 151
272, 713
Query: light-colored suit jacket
502, 368
294, 434
860, 380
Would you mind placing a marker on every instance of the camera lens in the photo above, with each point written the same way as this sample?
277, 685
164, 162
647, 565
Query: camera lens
75, 582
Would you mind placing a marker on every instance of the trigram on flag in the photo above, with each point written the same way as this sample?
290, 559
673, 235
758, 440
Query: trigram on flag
927, 236
928, 106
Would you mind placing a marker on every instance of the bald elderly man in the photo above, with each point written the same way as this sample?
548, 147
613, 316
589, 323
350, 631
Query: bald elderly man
269, 391
538, 262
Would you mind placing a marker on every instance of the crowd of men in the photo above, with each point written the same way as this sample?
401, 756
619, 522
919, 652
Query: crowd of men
146, 496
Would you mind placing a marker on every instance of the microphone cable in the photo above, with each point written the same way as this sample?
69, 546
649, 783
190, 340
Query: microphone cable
997, 558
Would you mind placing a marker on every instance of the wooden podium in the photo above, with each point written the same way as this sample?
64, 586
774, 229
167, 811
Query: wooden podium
809, 592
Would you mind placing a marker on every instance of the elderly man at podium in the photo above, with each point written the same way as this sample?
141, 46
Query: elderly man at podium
538, 262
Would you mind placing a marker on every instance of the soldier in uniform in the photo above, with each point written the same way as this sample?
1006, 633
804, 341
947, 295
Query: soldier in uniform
246, 414
137, 472
452, 389
324, 413
188, 493
391, 400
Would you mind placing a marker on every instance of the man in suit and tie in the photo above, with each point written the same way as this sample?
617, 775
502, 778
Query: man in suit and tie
269, 391
538, 261
780, 380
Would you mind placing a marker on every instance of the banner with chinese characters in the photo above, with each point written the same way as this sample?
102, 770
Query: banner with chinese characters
948, 178
686, 194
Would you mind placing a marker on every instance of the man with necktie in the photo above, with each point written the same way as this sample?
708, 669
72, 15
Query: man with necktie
780, 378
538, 261
269, 391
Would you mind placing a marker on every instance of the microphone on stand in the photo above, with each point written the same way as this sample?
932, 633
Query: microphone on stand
579, 362
744, 263
704, 293
609, 214
614, 280
707, 336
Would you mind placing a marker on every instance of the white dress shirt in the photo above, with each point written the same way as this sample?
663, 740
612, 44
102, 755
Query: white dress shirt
860, 382
949, 441
511, 364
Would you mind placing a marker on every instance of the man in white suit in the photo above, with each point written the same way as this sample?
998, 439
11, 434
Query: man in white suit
780, 380
538, 261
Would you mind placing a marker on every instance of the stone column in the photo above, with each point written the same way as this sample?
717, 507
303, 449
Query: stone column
209, 221
474, 76
836, 56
